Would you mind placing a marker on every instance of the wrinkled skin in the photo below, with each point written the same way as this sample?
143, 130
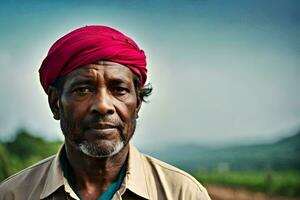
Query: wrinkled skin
97, 109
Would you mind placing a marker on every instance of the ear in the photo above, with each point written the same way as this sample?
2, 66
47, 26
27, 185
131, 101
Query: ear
53, 100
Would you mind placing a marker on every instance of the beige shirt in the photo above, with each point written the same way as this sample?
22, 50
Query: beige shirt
146, 178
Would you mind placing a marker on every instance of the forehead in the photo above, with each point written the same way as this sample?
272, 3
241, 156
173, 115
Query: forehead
101, 70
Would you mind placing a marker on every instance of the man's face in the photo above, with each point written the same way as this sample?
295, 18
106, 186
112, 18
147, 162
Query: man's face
98, 108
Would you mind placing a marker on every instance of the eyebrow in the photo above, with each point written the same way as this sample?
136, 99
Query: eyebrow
119, 80
80, 81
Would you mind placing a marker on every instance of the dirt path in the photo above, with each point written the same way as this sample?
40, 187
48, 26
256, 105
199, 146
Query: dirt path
226, 193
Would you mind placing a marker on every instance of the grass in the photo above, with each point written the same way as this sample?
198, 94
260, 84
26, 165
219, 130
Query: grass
283, 183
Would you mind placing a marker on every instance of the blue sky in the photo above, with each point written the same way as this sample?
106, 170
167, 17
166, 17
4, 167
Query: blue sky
223, 71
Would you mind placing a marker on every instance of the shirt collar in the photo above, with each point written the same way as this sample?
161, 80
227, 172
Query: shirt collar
55, 177
136, 178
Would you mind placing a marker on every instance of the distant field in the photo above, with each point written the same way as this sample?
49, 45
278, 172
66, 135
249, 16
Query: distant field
285, 183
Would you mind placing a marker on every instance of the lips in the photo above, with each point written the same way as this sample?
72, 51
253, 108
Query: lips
102, 126
102, 130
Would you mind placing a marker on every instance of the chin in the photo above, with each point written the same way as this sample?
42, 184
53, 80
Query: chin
103, 150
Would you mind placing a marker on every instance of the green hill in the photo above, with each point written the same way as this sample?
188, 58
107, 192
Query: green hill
281, 155
24, 151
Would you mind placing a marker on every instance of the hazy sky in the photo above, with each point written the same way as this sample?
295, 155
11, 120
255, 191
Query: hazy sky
222, 71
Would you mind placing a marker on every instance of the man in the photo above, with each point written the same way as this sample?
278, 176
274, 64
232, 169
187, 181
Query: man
94, 78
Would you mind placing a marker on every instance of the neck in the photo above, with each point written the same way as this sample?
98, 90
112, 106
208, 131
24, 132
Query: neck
94, 175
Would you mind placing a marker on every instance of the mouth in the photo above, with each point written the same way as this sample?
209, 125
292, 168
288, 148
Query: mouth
103, 130
102, 126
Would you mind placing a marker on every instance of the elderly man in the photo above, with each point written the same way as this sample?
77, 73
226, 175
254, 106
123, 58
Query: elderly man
94, 77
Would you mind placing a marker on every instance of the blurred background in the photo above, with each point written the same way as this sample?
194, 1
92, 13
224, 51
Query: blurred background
226, 101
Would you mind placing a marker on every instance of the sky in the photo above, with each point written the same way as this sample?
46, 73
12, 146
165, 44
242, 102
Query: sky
223, 72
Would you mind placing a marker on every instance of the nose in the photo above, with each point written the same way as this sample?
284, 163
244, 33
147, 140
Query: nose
102, 103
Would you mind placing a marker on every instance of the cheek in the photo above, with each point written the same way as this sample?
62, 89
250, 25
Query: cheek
125, 107
127, 113
73, 114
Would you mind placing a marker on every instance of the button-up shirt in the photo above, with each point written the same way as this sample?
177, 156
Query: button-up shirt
146, 178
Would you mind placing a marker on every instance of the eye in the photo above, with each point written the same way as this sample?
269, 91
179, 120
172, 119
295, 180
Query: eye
118, 90
82, 91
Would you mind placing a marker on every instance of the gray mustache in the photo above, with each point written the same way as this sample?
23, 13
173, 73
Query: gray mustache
103, 123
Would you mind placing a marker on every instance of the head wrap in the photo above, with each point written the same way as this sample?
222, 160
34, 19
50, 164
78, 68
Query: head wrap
87, 45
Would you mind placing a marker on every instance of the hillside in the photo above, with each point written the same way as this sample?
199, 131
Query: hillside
24, 151
281, 155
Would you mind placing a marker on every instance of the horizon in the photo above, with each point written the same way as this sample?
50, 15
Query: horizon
165, 147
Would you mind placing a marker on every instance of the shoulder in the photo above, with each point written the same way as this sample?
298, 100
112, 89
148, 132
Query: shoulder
26, 179
176, 180
172, 172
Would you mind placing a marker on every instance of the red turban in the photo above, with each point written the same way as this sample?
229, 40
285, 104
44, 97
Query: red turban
87, 45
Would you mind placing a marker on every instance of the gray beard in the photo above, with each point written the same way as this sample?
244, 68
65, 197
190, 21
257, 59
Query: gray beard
95, 152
